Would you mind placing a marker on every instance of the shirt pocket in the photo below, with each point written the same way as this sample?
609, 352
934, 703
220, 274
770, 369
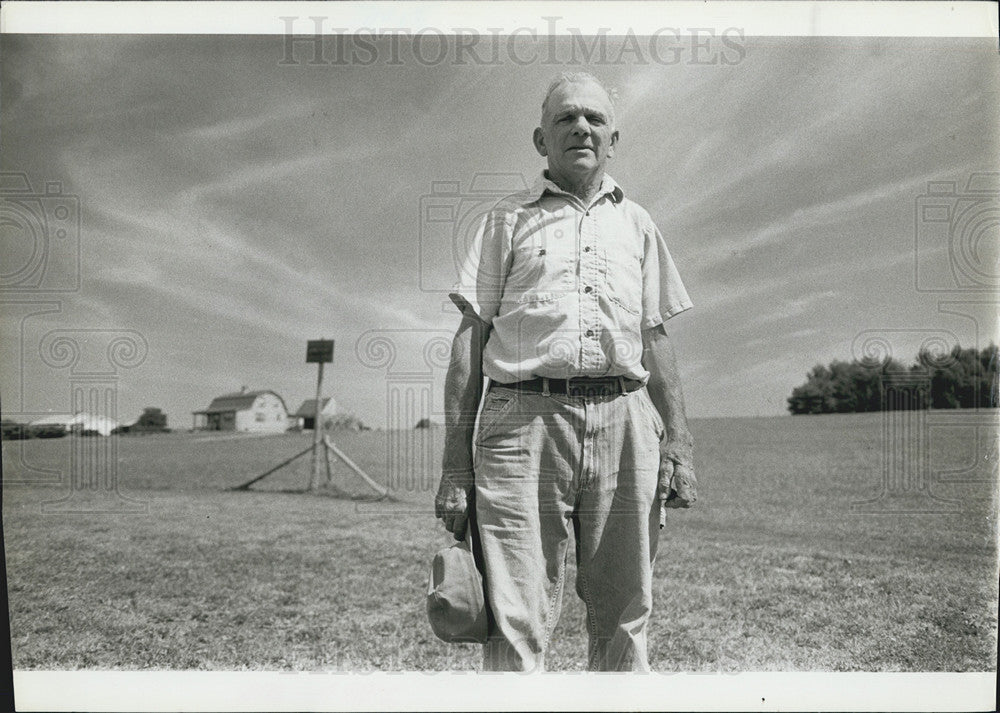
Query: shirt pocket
540, 274
623, 278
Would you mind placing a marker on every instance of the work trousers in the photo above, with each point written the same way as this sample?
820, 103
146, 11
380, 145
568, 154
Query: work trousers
553, 466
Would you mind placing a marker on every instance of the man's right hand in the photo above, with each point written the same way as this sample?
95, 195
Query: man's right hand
451, 504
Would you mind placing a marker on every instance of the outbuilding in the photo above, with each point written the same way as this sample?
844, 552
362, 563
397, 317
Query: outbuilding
250, 411
306, 415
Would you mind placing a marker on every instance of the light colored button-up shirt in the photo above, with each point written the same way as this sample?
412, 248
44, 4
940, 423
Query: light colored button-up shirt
568, 287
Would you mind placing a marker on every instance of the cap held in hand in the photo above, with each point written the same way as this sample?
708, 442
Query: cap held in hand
456, 606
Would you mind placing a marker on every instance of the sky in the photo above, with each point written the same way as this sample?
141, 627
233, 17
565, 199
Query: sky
232, 207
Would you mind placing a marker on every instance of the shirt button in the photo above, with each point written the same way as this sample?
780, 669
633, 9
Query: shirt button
590, 332
588, 288
542, 251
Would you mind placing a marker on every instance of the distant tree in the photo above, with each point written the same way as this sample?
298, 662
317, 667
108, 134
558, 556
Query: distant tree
962, 378
152, 420
424, 423
344, 422
989, 380
48, 430
814, 396
12, 430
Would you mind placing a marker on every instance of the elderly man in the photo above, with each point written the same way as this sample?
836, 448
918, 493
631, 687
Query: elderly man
582, 431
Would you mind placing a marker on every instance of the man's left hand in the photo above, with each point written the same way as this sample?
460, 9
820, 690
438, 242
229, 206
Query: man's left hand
678, 486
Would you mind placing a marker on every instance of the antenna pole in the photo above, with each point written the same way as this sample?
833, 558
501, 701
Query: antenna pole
317, 429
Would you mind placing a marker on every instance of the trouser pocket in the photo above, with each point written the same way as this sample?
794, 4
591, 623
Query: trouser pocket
497, 404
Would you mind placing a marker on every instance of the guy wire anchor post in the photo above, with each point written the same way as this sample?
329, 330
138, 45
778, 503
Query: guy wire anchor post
382, 491
278, 467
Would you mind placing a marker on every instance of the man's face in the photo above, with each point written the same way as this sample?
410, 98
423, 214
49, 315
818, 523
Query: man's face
577, 136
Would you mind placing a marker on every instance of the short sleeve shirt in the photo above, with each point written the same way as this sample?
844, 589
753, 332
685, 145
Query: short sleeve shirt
568, 288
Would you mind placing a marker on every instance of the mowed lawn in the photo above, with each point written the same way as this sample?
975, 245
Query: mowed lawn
776, 568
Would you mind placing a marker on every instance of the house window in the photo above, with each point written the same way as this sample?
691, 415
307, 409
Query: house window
259, 417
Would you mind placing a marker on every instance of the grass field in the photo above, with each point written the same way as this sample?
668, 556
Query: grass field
774, 569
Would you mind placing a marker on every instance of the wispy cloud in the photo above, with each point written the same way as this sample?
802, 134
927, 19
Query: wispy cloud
802, 221
227, 128
794, 307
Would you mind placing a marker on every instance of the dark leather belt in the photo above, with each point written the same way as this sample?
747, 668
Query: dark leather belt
580, 386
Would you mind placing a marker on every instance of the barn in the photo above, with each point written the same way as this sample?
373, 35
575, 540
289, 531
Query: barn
306, 415
251, 411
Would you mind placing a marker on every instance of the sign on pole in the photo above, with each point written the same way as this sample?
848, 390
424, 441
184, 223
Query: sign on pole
319, 351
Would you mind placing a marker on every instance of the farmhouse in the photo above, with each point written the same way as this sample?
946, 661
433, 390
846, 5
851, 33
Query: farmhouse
306, 415
256, 411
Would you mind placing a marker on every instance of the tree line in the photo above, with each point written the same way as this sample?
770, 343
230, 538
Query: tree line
962, 378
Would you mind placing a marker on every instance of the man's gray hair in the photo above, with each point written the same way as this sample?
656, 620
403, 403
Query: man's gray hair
576, 78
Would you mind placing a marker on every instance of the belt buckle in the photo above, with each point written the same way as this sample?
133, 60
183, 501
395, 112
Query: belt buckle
587, 389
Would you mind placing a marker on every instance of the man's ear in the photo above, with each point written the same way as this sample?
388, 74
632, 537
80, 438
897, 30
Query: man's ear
613, 143
539, 140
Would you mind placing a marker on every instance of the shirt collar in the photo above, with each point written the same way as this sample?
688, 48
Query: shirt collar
542, 184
